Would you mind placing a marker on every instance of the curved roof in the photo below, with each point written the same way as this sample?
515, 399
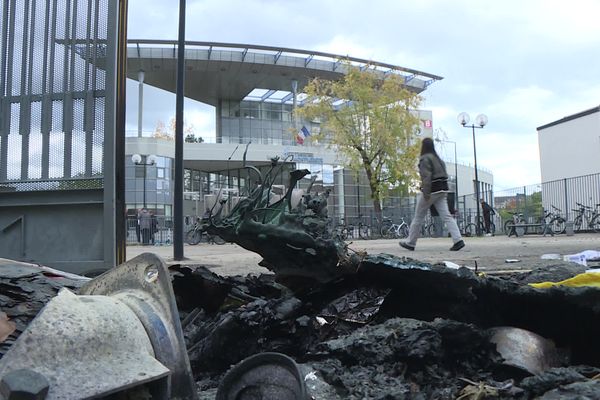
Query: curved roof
231, 70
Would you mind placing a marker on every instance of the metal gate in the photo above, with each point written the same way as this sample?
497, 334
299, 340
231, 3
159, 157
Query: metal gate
57, 129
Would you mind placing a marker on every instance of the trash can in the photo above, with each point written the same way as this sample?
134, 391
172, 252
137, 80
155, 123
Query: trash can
569, 228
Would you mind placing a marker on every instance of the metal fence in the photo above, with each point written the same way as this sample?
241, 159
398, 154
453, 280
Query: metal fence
531, 200
562, 196
57, 126
160, 232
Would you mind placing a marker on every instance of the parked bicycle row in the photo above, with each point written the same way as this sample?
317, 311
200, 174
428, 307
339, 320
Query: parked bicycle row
586, 219
388, 229
553, 221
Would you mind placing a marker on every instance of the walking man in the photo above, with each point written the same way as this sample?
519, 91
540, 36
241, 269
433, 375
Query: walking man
488, 211
145, 225
434, 191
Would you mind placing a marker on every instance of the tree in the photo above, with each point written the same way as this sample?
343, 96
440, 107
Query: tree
370, 118
191, 138
189, 131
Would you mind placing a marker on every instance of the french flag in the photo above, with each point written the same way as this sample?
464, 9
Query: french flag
302, 134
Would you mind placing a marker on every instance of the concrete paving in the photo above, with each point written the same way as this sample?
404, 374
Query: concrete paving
489, 253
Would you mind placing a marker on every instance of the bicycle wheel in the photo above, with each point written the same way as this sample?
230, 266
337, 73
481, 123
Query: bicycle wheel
344, 233
577, 224
350, 232
558, 225
364, 232
216, 239
469, 229
193, 237
403, 231
508, 227
431, 230
385, 230
389, 233
595, 223
524, 228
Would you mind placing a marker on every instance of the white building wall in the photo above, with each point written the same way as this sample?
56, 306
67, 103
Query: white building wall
570, 148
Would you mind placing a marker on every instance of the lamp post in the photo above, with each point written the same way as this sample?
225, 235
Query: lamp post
147, 160
455, 171
228, 171
480, 121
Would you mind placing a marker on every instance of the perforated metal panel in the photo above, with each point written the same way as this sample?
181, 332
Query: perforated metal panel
52, 94
57, 132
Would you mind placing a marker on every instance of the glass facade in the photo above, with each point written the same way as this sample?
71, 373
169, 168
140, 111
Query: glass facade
260, 122
149, 186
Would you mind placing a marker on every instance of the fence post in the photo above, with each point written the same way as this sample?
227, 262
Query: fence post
566, 201
525, 204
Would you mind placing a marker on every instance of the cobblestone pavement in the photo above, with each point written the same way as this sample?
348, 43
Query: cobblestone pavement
490, 253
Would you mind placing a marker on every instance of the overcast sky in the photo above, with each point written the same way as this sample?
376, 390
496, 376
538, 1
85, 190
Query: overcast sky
522, 63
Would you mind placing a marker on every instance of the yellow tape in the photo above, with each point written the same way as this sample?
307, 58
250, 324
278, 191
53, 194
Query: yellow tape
586, 279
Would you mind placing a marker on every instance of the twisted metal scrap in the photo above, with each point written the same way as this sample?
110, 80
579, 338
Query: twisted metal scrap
293, 241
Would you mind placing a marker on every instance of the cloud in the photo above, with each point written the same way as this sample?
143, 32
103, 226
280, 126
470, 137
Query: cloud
524, 64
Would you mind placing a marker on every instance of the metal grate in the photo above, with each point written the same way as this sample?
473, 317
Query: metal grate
52, 94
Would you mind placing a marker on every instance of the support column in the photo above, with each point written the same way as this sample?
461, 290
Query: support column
140, 101
341, 197
294, 103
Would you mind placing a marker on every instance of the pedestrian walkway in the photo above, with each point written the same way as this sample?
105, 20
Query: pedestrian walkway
490, 253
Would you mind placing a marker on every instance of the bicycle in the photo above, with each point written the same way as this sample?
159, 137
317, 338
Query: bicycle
364, 231
396, 231
342, 231
588, 215
517, 219
199, 234
462, 226
544, 225
557, 222
472, 228
428, 227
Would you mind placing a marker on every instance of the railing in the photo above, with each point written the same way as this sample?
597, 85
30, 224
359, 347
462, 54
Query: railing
529, 200
160, 231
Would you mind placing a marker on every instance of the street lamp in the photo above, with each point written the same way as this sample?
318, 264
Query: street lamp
455, 171
480, 121
147, 160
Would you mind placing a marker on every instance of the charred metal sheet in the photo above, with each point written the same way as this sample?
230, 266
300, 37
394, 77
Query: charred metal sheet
25, 289
85, 346
524, 349
144, 285
359, 306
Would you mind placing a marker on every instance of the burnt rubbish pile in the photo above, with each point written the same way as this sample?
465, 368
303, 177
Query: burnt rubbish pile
396, 329
347, 325
399, 329
378, 326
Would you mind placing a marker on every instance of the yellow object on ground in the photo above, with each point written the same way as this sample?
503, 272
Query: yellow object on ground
585, 279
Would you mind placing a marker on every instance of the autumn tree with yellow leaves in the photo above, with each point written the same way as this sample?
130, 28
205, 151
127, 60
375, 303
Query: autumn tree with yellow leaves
370, 118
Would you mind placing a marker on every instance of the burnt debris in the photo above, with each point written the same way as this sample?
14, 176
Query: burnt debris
338, 324
397, 329
293, 237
